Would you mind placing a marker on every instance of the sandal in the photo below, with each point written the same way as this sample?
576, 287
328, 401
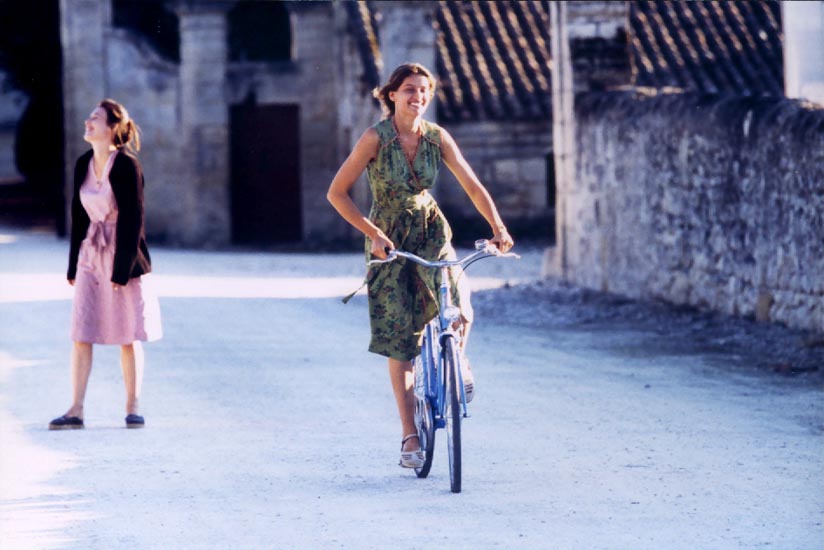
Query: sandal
66, 423
411, 459
468, 378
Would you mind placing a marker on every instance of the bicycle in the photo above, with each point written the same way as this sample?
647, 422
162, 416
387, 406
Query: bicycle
439, 389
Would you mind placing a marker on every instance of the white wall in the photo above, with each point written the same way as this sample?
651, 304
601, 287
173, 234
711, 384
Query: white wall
803, 24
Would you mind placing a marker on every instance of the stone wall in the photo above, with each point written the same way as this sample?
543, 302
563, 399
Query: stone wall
150, 89
206, 218
182, 117
510, 158
701, 200
356, 112
311, 81
183, 110
83, 26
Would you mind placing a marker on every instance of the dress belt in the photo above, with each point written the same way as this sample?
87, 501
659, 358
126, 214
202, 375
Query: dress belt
99, 234
410, 203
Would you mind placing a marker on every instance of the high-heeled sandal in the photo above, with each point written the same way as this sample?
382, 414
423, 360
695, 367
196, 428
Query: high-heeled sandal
411, 459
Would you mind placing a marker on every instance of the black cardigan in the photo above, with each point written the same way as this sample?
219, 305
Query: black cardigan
131, 255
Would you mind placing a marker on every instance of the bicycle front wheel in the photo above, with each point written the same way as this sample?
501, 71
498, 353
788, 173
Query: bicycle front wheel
452, 413
425, 422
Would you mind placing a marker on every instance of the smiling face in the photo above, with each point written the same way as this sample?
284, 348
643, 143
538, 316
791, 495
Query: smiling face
97, 128
412, 96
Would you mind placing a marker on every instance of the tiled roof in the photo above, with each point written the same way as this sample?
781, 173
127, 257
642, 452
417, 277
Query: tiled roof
363, 27
494, 63
493, 60
726, 46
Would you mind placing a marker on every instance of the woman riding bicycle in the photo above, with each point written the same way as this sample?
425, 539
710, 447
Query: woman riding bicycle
402, 155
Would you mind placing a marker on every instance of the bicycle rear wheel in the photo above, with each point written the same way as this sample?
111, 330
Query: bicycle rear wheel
452, 413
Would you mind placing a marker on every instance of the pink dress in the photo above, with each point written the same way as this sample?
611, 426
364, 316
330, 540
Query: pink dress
100, 314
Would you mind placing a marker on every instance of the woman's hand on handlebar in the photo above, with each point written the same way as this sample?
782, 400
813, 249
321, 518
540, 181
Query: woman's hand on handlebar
502, 240
381, 245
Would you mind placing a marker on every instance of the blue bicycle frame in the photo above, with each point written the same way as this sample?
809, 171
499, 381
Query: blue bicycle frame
430, 382
437, 406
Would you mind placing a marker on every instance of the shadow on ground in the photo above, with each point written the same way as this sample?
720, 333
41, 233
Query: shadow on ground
662, 329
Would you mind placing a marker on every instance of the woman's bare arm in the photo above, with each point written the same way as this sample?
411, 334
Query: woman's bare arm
365, 150
478, 194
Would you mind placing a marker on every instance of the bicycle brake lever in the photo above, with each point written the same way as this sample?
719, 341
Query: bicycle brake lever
391, 254
493, 250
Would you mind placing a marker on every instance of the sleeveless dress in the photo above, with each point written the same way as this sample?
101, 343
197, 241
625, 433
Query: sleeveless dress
100, 314
403, 295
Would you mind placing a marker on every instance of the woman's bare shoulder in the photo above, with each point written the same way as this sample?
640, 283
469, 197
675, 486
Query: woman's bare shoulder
369, 141
370, 135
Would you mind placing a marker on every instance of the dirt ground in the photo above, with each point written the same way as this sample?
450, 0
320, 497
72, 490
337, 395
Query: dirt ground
599, 423
664, 329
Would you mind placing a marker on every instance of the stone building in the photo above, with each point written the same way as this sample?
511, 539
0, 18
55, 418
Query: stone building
655, 132
248, 107
695, 181
494, 70
246, 113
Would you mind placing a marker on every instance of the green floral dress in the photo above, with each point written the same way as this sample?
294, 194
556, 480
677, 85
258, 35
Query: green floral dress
402, 294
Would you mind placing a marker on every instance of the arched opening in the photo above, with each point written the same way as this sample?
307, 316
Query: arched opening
151, 20
259, 31
30, 57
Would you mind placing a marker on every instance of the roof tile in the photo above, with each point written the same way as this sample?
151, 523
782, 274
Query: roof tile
730, 46
493, 58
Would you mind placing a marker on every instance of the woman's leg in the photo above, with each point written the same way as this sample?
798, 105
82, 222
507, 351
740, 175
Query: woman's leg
402, 376
131, 362
81, 369
466, 369
466, 325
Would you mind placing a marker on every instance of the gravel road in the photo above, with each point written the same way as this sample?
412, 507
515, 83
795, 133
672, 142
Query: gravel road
599, 423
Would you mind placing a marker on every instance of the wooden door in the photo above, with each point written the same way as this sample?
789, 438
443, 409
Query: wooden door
265, 164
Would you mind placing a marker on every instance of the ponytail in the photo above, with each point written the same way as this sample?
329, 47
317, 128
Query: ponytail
126, 133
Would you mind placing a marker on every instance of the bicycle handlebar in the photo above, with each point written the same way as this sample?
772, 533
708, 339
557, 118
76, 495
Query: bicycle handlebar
483, 249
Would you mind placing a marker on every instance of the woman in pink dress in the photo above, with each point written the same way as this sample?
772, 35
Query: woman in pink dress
107, 257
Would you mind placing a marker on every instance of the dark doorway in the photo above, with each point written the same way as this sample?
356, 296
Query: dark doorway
266, 205
30, 55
